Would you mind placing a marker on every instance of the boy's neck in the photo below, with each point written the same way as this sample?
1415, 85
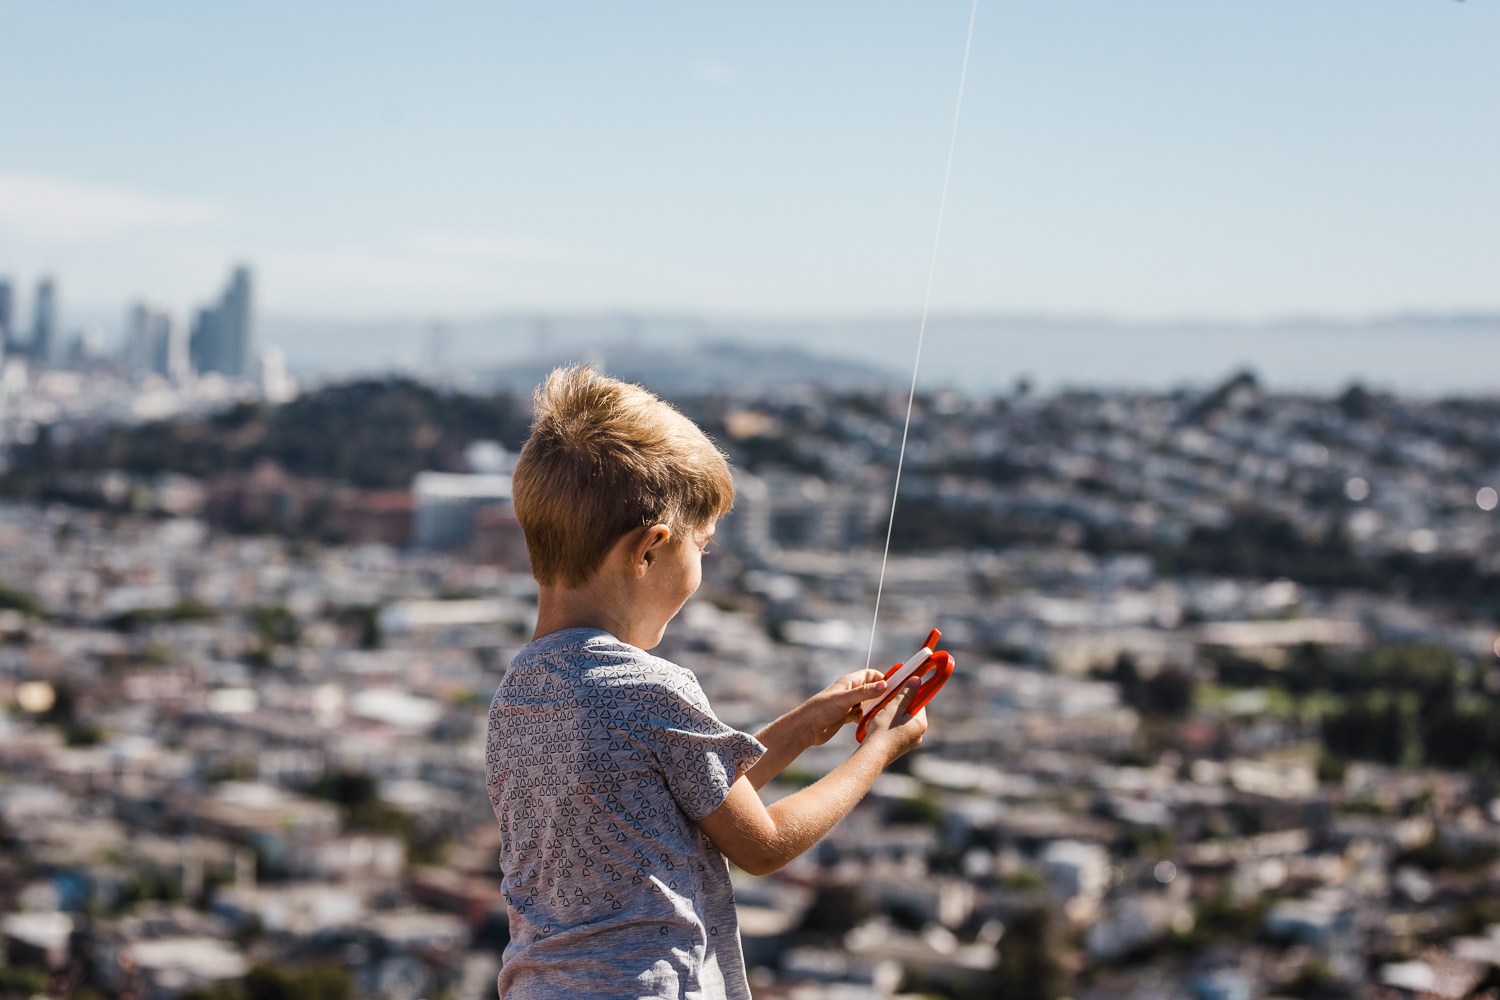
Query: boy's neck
562, 607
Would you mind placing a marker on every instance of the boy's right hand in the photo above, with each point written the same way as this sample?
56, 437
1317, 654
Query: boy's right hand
761, 839
893, 731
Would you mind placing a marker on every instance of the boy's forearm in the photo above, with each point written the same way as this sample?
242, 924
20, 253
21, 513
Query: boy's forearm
760, 838
784, 740
805, 817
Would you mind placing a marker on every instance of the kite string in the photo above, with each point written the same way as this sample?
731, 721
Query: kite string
921, 332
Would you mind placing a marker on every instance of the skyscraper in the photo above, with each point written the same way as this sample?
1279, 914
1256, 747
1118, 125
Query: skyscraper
154, 342
7, 312
222, 337
203, 340
234, 326
43, 322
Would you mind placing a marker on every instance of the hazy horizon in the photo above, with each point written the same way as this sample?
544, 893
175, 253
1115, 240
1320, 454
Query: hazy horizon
1422, 355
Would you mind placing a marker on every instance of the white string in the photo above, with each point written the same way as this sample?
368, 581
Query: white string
937, 237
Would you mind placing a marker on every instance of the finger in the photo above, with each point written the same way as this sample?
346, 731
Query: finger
896, 707
863, 692
908, 695
859, 678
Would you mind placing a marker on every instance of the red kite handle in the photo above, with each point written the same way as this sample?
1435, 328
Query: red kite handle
942, 669
935, 673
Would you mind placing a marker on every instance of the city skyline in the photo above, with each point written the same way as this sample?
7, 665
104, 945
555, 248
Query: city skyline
1423, 354
151, 339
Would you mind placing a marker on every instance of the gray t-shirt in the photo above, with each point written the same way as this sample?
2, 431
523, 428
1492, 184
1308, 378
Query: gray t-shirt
599, 759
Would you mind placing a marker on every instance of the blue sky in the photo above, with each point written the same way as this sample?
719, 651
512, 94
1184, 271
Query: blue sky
1144, 160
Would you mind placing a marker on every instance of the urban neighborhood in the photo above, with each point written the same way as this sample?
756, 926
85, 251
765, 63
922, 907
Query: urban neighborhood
1225, 722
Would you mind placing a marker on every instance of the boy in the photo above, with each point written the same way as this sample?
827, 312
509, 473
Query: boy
617, 790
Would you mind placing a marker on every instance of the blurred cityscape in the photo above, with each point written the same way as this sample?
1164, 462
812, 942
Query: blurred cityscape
162, 364
1226, 721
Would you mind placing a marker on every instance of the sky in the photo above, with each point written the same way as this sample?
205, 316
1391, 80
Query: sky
1146, 161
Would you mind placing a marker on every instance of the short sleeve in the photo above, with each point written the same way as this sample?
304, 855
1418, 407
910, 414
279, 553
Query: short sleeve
700, 755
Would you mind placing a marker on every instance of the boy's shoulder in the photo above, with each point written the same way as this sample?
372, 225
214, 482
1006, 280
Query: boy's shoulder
594, 656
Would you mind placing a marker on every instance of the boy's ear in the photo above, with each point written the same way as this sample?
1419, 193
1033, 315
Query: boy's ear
648, 547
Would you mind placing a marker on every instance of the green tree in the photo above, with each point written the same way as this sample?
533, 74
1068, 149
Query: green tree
1030, 966
322, 981
15, 599
1371, 727
838, 908
313, 982
918, 809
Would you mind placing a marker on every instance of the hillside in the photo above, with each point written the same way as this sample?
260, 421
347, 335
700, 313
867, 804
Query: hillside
371, 434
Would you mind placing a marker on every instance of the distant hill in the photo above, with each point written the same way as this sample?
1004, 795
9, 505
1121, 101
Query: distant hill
368, 433
706, 368
378, 433
1428, 355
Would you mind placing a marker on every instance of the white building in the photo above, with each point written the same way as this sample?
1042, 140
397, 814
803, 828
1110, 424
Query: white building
446, 503
1075, 869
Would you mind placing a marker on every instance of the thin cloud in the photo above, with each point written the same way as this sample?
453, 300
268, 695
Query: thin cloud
479, 245
331, 278
54, 209
712, 71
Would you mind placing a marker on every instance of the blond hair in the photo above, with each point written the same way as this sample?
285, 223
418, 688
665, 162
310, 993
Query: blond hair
604, 458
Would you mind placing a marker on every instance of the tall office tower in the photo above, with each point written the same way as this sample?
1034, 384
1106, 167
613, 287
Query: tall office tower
7, 309
203, 340
43, 322
154, 343
171, 358
234, 319
222, 337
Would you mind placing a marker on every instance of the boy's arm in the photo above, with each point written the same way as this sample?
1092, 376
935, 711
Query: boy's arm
813, 723
761, 839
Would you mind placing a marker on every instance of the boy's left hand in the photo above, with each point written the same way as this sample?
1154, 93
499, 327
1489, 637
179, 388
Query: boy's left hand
837, 705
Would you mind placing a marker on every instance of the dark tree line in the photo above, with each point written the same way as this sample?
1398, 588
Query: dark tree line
1255, 544
372, 434
1399, 704
1168, 693
1260, 545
